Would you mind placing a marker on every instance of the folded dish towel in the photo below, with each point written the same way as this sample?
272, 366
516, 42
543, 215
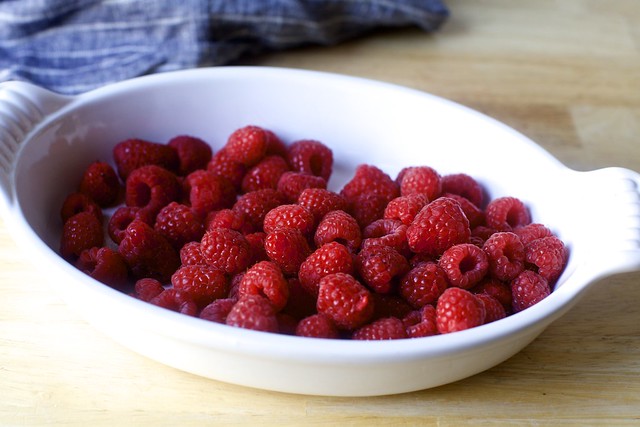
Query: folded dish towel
71, 46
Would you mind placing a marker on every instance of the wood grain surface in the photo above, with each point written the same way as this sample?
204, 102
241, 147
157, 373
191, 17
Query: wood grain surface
565, 73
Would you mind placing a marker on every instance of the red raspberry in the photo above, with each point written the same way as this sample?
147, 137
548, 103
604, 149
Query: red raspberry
506, 255
176, 300
105, 265
528, 289
226, 250
292, 184
265, 279
147, 289
321, 201
218, 310
492, 308
125, 215
439, 225
75, 203
471, 211
465, 265
344, 300
387, 232
497, 289
151, 187
204, 283
247, 145
421, 180
256, 204
423, 284
301, 303
425, 324
380, 267
389, 328
405, 208
190, 254
369, 179
547, 256
390, 305
417, 259
290, 216
481, 233
312, 157
506, 213
100, 182
253, 312
235, 286
208, 192
193, 153
458, 309
317, 326
275, 146
339, 226
265, 174
222, 165
179, 224
288, 248
81, 232
286, 324
530, 232
465, 186
328, 259
148, 253
229, 218
367, 208
132, 154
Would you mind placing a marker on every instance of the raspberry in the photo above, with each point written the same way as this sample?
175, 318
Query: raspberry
204, 283
179, 224
492, 308
81, 232
530, 232
275, 146
208, 192
148, 253
193, 153
330, 258
286, 324
389, 328
292, 184
312, 157
458, 309
423, 284
464, 264
190, 254
338, 226
77, 202
387, 232
344, 300
497, 289
100, 182
405, 208
218, 310
288, 248
528, 289
380, 267
370, 179
390, 305
290, 216
105, 265
368, 207
465, 186
176, 300
222, 165
147, 289
321, 201
265, 174
132, 154
265, 279
547, 256
247, 145
235, 285
253, 312
256, 204
317, 326
151, 187
506, 255
125, 215
229, 218
471, 211
425, 324
301, 303
439, 225
506, 213
226, 250
481, 233
420, 180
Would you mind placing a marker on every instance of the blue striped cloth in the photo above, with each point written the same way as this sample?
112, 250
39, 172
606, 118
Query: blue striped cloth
71, 46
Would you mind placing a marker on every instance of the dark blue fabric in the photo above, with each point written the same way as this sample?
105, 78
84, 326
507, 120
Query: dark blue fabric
77, 45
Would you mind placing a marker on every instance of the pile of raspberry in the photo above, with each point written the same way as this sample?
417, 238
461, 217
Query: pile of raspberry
252, 237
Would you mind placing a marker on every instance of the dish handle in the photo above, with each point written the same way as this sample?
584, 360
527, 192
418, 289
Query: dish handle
22, 107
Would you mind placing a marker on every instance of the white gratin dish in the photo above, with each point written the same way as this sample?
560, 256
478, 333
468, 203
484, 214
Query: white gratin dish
46, 141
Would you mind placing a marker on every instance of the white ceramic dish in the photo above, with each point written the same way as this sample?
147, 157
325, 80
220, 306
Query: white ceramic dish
47, 140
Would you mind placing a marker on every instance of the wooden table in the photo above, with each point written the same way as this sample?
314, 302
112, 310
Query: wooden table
567, 74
